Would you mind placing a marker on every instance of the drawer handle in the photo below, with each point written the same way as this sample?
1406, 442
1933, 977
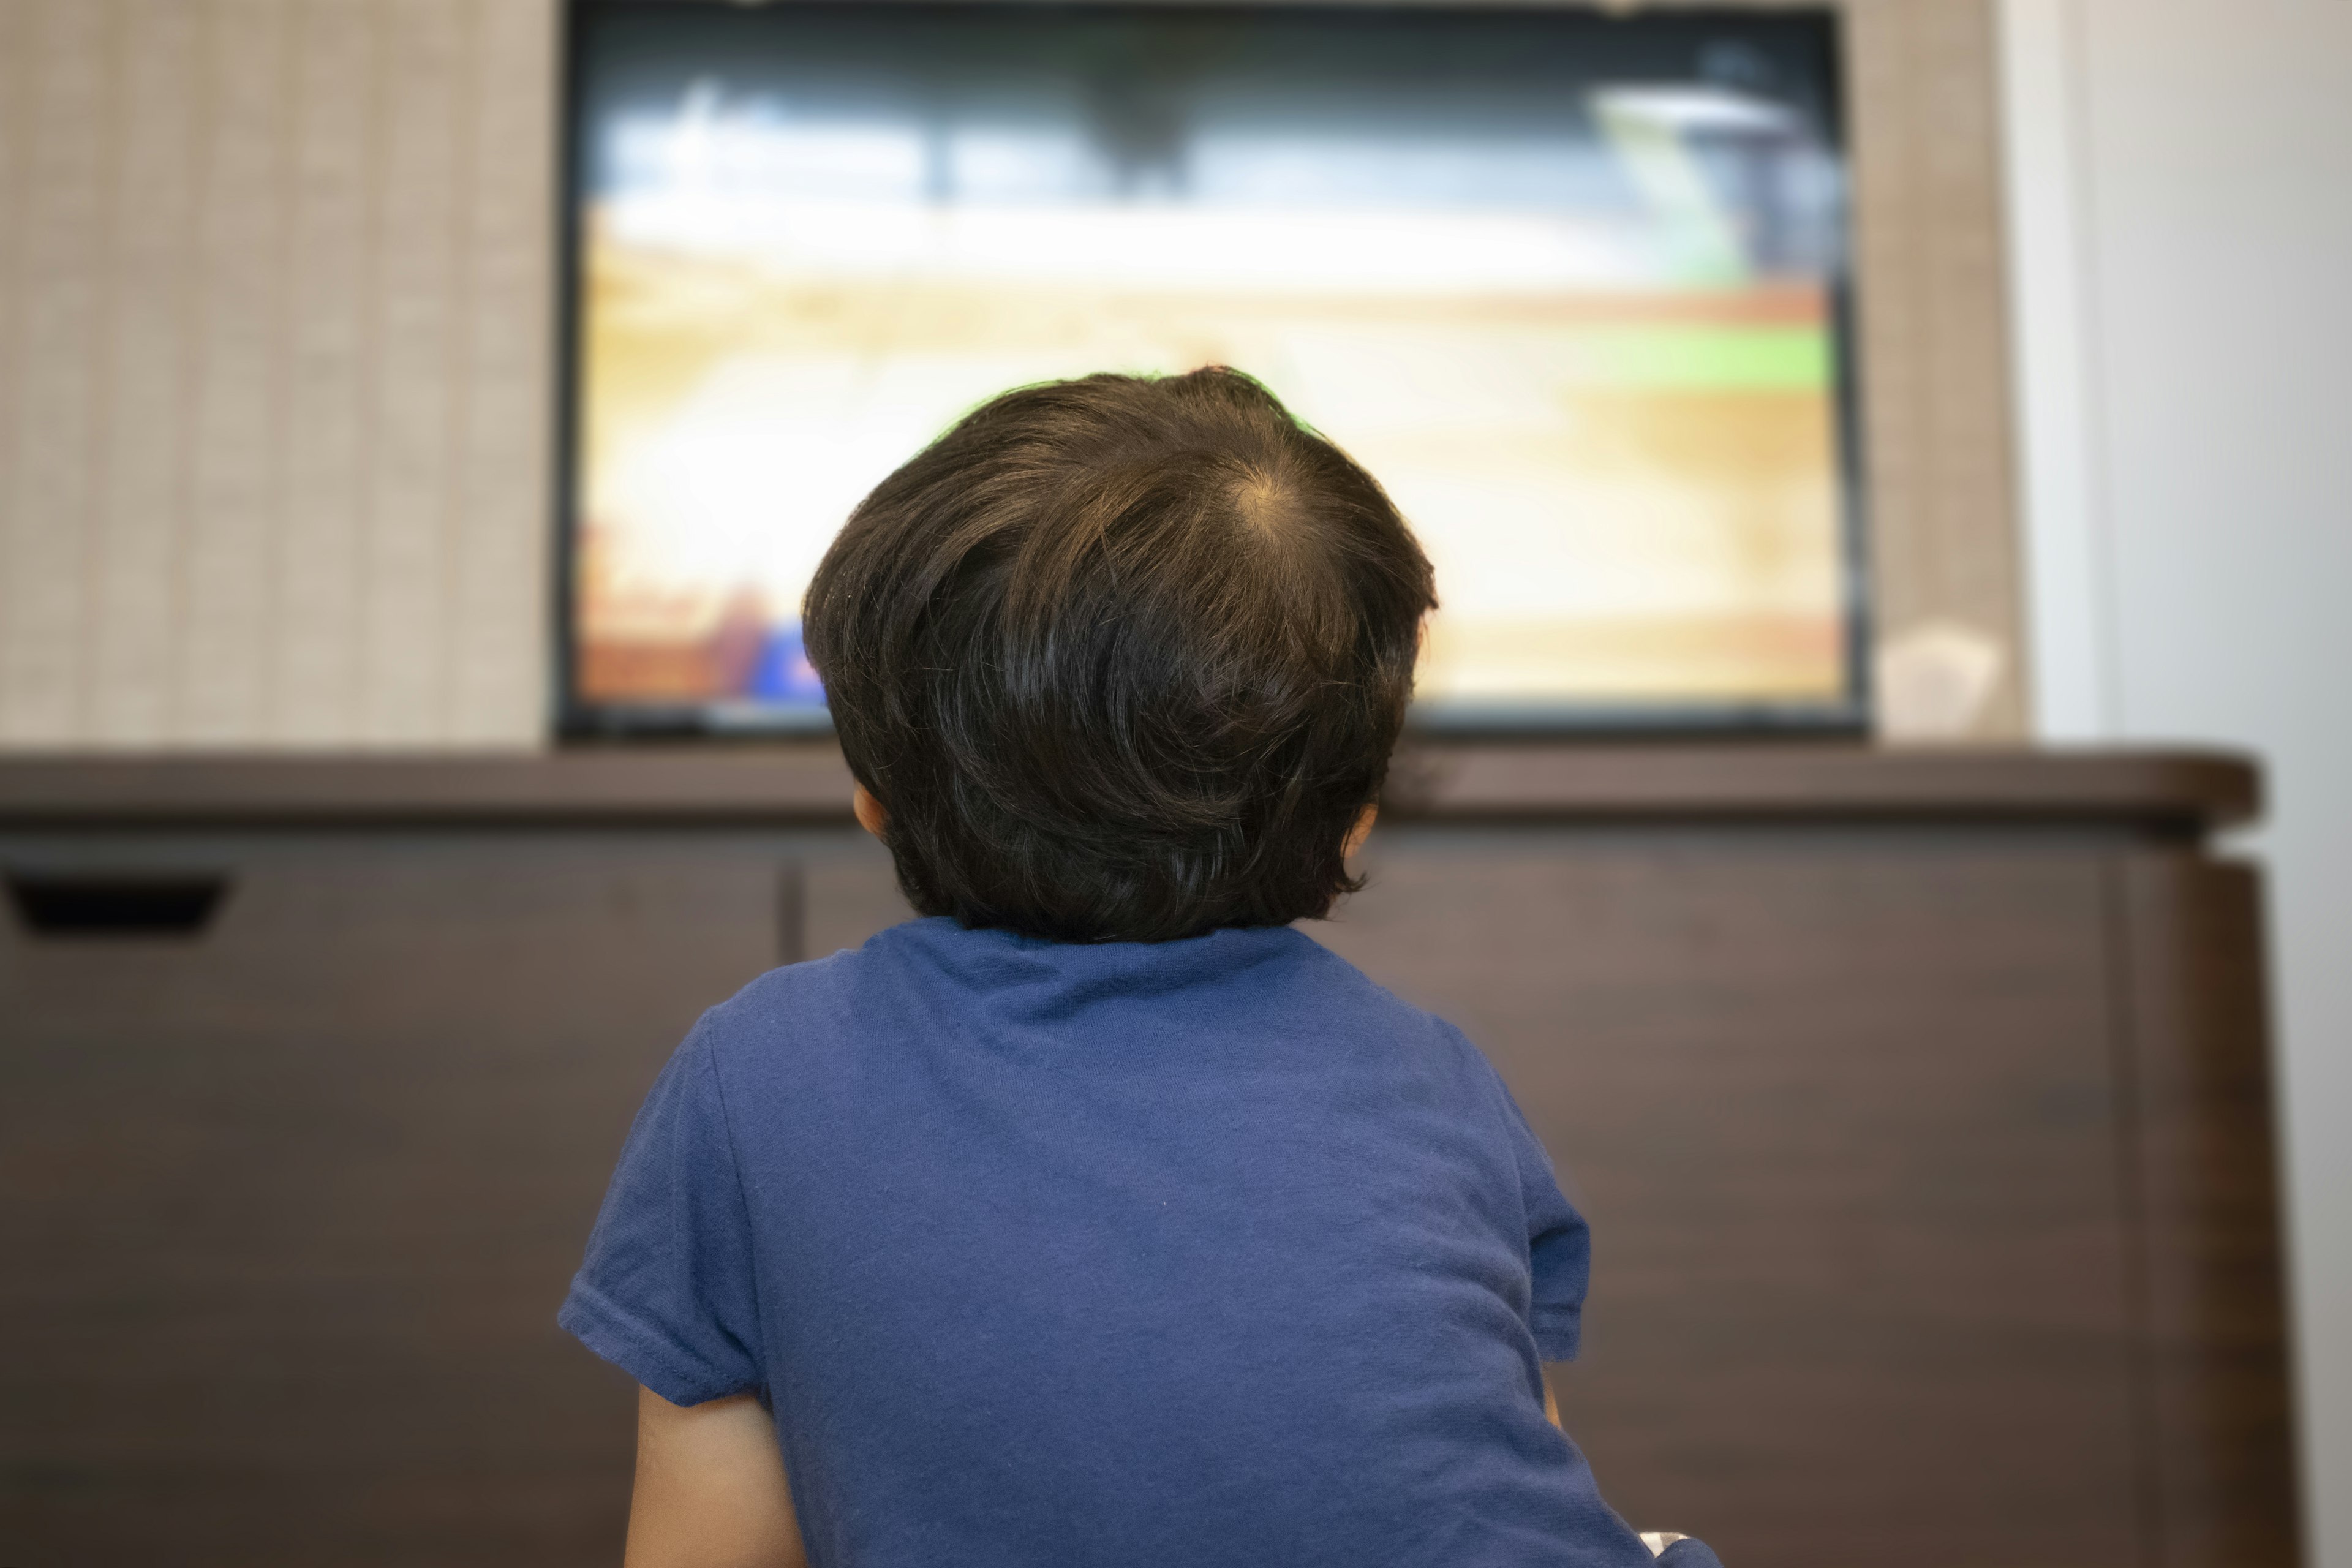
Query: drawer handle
111, 903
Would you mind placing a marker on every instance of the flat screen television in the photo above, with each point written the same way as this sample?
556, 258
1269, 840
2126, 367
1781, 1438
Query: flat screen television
1570, 283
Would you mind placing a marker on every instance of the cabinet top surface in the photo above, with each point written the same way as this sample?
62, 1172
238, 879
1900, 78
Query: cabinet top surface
2179, 790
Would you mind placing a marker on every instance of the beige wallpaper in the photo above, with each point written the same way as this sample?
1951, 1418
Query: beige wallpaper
1935, 330
275, 363
273, 344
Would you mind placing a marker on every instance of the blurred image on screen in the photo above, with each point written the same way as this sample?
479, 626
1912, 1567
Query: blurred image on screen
1566, 284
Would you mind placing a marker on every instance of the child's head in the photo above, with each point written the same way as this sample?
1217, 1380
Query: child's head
1122, 658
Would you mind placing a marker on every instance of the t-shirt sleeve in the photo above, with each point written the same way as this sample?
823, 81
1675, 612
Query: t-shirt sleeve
667, 1293
1559, 1244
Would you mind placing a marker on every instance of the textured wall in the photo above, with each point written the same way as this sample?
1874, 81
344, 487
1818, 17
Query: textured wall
273, 350
275, 362
1930, 257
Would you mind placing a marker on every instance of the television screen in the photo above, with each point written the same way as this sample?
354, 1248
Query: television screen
1568, 283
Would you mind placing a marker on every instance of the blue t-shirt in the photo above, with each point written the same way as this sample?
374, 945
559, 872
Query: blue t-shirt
1192, 1253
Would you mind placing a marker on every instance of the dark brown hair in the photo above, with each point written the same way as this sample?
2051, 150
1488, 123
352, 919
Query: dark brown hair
1123, 657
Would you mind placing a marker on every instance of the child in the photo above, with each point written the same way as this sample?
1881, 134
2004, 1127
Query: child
1100, 1217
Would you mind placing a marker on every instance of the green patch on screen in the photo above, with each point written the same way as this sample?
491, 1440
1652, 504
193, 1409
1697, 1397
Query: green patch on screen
1698, 358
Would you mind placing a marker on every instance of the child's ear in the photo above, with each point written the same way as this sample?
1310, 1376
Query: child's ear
1361, 831
869, 812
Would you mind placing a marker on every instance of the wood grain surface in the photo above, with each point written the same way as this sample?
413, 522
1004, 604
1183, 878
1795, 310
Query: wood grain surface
2220, 1462
1929, 1171
2182, 792
290, 1205
1843, 1121
1924, 1135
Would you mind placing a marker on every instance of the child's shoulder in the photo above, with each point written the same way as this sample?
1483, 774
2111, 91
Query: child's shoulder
783, 992
816, 997
1254, 979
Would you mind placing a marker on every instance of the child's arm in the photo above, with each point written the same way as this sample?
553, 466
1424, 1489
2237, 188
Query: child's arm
711, 1490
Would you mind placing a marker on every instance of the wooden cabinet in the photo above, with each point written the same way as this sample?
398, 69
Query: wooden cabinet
1919, 1106
1851, 1119
290, 1199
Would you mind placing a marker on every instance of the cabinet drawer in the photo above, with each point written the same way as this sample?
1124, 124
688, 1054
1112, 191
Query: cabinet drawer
290, 1199
1842, 1115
